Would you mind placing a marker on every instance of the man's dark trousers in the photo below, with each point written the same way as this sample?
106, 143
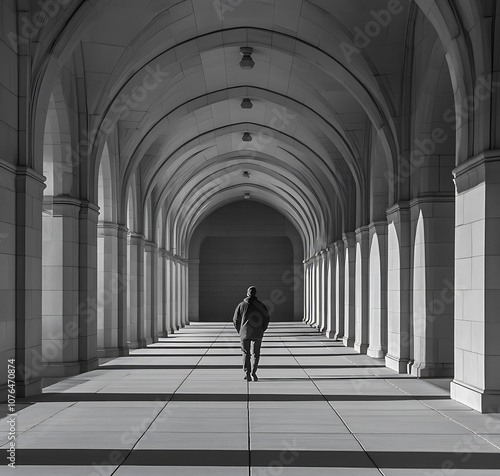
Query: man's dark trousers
246, 349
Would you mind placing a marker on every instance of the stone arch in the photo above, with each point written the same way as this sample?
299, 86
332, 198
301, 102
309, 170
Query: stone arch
459, 56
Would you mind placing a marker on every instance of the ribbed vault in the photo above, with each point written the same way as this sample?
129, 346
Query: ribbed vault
162, 79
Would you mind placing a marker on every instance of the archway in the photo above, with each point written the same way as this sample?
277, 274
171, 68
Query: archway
241, 244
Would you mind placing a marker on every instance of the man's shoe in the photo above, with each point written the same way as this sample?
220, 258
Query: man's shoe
247, 377
255, 378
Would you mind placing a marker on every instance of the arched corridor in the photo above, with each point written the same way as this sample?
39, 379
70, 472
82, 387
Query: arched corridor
157, 157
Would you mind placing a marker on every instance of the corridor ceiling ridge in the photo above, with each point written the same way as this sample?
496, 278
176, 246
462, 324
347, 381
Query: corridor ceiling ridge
166, 76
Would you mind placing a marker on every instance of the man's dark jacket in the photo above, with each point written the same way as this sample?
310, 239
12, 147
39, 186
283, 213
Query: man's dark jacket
251, 318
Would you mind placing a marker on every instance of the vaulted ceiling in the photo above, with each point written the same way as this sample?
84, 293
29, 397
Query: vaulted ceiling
165, 75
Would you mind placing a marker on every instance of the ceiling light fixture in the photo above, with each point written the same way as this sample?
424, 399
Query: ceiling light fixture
246, 104
246, 196
247, 137
246, 62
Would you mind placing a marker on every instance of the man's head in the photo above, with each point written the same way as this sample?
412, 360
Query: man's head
251, 291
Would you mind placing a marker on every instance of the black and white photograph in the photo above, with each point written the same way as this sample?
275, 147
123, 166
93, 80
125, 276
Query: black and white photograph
250, 237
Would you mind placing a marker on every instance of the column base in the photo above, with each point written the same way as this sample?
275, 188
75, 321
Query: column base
360, 348
331, 335
162, 334
348, 341
423, 370
24, 389
136, 344
375, 353
146, 341
171, 330
112, 352
61, 369
395, 363
338, 336
88, 365
479, 400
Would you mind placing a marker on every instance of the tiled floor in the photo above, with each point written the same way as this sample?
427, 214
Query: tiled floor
181, 407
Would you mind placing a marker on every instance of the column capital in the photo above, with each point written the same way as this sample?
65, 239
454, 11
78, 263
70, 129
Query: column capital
349, 239
23, 171
65, 200
399, 209
484, 167
89, 211
362, 231
339, 246
150, 246
136, 238
108, 228
378, 228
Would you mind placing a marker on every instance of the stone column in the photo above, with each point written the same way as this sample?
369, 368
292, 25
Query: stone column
61, 309
26, 216
147, 294
324, 289
307, 271
317, 291
349, 288
184, 295
194, 290
161, 309
149, 299
306, 292
298, 290
361, 331
122, 292
378, 290
339, 290
477, 283
175, 296
398, 287
110, 339
8, 243
111, 290
307, 303
330, 297
433, 223
169, 295
87, 279
136, 290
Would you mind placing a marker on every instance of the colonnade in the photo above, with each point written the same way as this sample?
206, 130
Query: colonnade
135, 292
420, 290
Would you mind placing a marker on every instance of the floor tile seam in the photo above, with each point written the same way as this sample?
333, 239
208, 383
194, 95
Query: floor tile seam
343, 421
46, 419
163, 407
440, 412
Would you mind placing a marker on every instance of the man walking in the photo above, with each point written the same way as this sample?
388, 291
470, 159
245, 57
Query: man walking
251, 319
